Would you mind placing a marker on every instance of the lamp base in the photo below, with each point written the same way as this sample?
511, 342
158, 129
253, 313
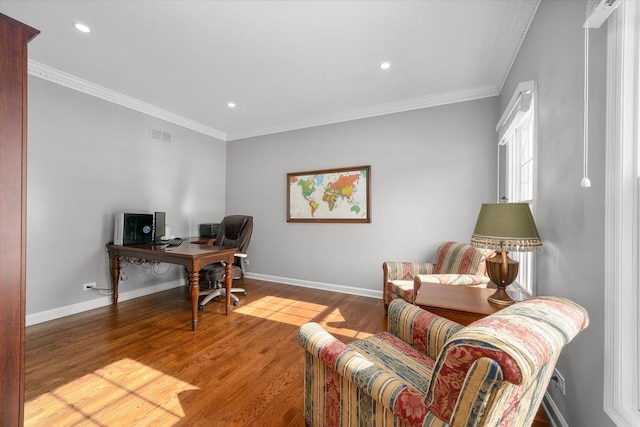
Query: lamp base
502, 271
500, 297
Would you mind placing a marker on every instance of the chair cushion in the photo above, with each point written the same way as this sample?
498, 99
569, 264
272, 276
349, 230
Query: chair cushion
404, 363
393, 354
472, 280
461, 258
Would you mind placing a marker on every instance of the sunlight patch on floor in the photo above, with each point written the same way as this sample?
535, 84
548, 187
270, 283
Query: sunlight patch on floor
124, 390
295, 312
290, 311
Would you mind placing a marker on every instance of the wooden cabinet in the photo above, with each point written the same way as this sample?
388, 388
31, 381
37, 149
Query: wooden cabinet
14, 37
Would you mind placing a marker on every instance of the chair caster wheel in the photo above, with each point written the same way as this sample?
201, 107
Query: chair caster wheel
244, 293
201, 307
235, 303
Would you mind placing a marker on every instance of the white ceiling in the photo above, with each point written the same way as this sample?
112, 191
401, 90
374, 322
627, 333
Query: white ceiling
286, 64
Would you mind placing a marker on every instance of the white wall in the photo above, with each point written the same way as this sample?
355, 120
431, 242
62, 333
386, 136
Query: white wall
430, 171
88, 158
570, 218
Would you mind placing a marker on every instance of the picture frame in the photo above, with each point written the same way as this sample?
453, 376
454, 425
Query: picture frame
340, 195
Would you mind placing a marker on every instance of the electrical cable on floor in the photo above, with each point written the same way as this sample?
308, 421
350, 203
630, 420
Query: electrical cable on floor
142, 265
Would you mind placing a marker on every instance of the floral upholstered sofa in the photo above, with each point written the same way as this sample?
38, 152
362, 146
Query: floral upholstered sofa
429, 371
456, 264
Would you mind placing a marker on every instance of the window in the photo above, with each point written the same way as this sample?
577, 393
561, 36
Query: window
622, 216
516, 151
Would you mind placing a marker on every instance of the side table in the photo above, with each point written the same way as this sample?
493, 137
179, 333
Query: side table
462, 304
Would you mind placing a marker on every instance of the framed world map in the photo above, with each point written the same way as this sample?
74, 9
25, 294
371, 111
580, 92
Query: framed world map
329, 195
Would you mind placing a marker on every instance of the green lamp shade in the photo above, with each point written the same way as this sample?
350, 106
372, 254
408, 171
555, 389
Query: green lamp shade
508, 226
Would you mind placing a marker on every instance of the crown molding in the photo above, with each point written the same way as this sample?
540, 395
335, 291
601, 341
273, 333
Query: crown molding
53, 75
526, 13
373, 111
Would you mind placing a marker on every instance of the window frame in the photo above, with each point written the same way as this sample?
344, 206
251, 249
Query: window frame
622, 218
510, 126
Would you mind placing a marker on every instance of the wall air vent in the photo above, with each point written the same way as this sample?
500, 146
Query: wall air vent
160, 136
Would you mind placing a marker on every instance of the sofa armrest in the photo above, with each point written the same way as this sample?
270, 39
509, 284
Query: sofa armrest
419, 328
398, 270
383, 386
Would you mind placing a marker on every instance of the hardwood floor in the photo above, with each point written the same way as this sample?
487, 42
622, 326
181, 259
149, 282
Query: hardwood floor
139, 364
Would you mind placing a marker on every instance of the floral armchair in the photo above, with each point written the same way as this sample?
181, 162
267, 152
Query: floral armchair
429, 371
456, 264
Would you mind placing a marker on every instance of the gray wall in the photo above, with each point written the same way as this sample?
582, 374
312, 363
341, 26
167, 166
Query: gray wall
87, 159
430, 171
570, 218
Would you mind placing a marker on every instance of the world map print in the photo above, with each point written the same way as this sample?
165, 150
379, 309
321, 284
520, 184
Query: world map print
329, 195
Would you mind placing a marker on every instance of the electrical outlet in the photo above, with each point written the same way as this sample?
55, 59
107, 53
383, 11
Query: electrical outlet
559, 380
88, 286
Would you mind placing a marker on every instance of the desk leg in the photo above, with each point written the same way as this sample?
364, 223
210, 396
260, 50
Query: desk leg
115, 277
228, 280
194, 286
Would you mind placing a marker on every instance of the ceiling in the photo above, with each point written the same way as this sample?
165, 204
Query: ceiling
285, 64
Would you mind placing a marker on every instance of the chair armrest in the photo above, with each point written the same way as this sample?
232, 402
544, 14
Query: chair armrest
398, 270
383, 386
522, 342
419, 328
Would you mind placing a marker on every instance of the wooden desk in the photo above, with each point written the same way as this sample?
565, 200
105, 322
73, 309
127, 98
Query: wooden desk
462, 304
192, 256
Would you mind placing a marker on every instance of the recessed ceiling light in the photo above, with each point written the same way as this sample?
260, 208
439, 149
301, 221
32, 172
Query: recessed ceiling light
231, 104
81, 27
385, 65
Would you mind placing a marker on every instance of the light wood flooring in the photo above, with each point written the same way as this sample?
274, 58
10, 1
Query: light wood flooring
139, 364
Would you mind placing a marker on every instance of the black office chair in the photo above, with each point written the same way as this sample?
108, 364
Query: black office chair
234, 232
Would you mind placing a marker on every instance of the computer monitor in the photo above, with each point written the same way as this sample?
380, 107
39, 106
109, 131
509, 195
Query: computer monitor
158, 226
132, 228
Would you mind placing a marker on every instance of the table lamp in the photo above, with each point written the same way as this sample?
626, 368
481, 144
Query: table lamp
504, 227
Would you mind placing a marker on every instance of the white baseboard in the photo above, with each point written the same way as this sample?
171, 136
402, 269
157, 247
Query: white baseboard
553, 413
56, 313
317, 285
103, 301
